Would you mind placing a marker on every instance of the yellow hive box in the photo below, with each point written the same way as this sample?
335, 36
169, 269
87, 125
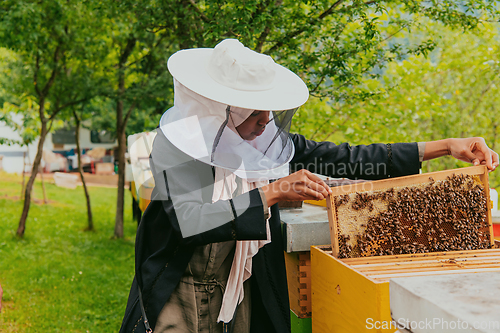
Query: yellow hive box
352, 294
144, 197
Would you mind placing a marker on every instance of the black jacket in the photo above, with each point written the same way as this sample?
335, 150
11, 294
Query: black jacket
162, 254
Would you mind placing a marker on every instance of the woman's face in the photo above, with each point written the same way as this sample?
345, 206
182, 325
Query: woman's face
254, 125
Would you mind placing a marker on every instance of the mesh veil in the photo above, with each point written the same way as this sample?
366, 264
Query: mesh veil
206, 130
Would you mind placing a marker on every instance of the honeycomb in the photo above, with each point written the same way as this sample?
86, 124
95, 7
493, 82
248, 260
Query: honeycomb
444, 215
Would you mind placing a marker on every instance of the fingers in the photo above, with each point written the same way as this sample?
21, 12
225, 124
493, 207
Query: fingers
302, 185
313, 190
319, 188
475, 151
468, 155
495, 160
318, 184
482, 147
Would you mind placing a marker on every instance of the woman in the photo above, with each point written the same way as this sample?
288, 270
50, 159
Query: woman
209, 253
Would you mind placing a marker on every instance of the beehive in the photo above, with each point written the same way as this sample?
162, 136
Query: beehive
439, 211
351, 294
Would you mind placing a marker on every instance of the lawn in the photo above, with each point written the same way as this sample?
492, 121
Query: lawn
59, 277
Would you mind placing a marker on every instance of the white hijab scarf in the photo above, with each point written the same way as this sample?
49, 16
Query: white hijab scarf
241, 268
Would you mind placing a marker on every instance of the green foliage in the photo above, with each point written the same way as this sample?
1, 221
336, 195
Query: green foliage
61, 278
19, 111
330, 44
333, 46
28, 125
54, 58
451, 93
136, 54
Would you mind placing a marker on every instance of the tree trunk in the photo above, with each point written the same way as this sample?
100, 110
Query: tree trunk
120, 133
121, 124
45, 200
90, 226
34, 170
24, 175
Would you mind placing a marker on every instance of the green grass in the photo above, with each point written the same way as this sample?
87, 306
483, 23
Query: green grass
60, 278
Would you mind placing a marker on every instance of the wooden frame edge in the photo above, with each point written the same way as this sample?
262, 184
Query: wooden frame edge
332, 221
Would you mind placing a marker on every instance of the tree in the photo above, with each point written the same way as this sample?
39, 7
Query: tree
78, 120
16, 105
138, 76
47, 37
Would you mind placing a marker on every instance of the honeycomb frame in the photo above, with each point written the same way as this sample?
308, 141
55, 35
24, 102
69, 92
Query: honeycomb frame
438, 211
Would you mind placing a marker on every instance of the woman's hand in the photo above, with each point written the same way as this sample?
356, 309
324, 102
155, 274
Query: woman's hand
299, 186
472, 150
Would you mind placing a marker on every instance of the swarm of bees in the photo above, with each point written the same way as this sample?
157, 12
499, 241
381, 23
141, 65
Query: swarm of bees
447, 215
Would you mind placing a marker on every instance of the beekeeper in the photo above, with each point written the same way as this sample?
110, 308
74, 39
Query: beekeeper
209, 251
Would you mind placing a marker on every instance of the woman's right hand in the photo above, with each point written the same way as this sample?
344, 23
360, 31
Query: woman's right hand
299, 186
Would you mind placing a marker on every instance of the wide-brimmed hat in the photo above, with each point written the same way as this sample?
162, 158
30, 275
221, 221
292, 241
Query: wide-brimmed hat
232, 74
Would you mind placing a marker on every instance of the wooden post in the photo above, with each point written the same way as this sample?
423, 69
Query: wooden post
332, 220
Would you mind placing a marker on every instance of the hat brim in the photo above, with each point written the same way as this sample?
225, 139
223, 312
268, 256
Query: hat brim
188, 67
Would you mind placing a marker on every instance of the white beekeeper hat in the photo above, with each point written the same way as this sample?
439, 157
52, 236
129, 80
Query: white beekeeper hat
232, 74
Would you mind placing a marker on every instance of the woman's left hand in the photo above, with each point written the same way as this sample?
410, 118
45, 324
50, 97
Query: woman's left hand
473, 150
